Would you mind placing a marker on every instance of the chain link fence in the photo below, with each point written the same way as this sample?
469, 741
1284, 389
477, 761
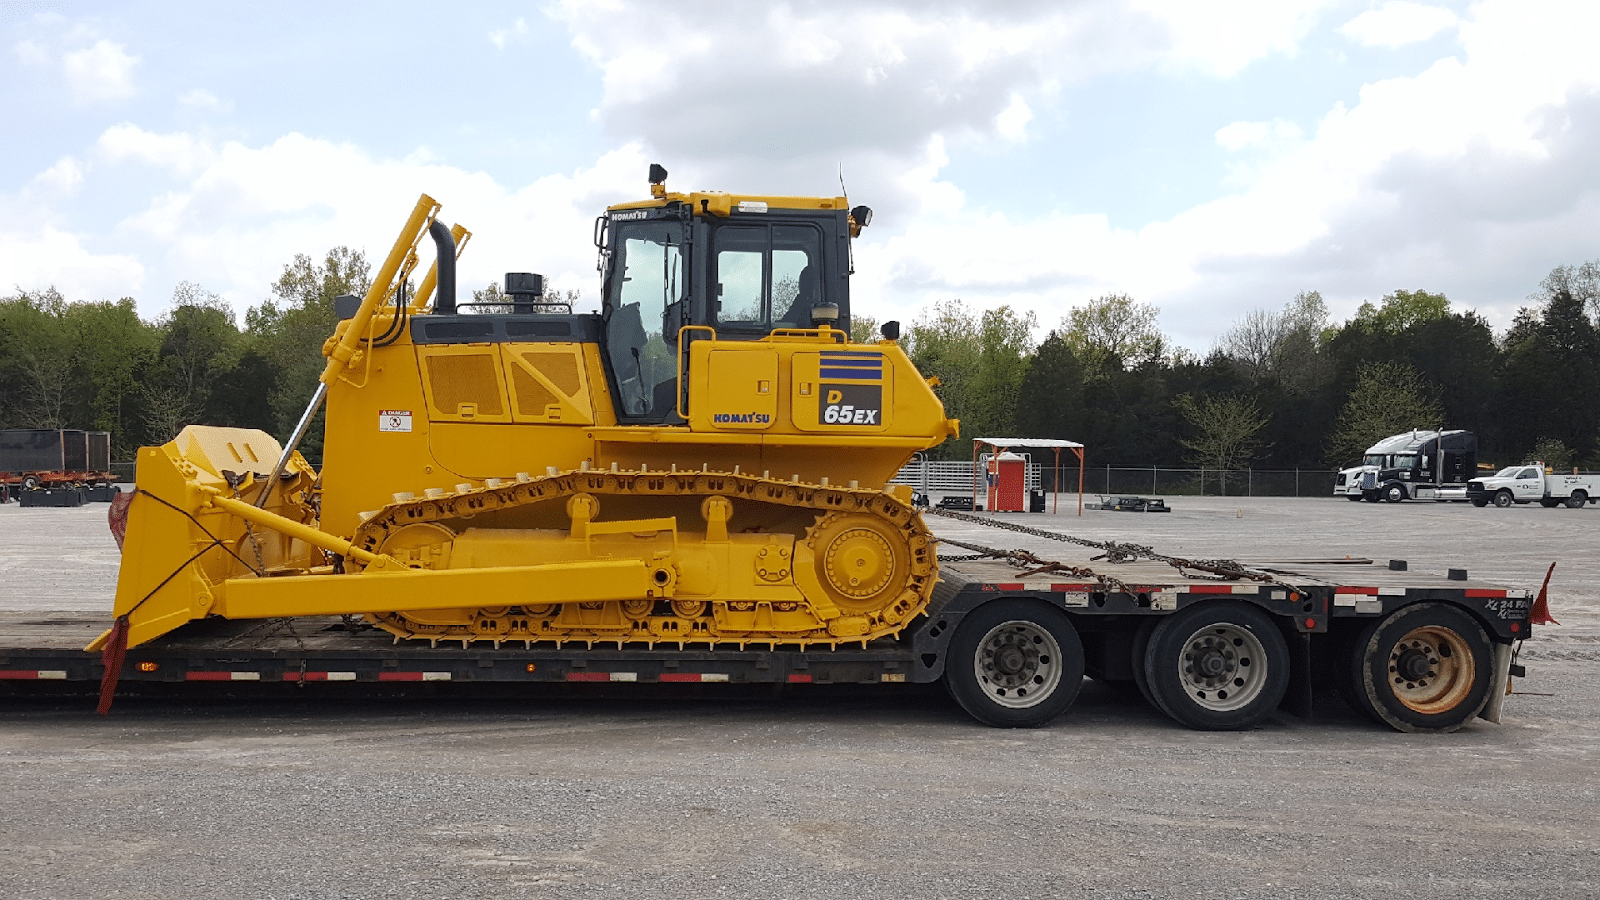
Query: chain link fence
958, 478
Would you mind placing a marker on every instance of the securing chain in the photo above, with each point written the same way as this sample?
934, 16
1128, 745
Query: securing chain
1112, 551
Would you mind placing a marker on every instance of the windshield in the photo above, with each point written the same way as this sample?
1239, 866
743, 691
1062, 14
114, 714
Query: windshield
1374, 459
1508, 472
645, 275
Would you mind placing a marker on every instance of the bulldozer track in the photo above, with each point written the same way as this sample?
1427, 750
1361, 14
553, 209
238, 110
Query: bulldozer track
847, 523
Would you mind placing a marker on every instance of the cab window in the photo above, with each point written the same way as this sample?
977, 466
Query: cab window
766, 276
1528, 473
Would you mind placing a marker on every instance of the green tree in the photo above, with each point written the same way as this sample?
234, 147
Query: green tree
1581, 281
1225, 431
289, 330
198, 339
1113, 327
1389, 398
113, 351
1399, 311
1005, 340
36, 366
943, 342
1283, 348
1550, 382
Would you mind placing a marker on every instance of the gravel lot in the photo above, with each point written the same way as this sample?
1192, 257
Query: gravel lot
821, 792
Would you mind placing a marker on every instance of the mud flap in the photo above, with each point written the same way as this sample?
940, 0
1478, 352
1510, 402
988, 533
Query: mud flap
1499, 684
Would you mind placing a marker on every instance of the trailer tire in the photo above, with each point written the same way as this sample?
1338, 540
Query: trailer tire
1141, 648
1503, 498
1577, 500
1218, 666
30, 482
1394, 493
1445, 653
1479, 502
1015, 663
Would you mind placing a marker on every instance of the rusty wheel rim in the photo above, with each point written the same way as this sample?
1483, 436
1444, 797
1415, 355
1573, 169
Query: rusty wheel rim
1431, 669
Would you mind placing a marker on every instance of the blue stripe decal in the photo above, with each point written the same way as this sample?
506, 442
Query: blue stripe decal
852, 375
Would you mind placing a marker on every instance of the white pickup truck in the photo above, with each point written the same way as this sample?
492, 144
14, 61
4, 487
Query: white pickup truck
1530, 483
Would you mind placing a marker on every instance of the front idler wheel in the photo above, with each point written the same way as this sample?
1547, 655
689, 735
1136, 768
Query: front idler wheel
1015, 663
1218, 666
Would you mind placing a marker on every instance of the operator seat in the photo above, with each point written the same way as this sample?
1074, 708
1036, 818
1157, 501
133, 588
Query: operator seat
805, 297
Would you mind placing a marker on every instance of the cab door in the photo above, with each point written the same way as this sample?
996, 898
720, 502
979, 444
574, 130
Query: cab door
1529, 484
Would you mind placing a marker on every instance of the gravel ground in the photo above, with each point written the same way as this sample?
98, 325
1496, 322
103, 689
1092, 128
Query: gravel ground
823, 792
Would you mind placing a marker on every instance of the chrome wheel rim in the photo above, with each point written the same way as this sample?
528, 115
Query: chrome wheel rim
1223, 667
1018, 664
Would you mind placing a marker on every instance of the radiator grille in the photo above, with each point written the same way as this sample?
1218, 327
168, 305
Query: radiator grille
464, 379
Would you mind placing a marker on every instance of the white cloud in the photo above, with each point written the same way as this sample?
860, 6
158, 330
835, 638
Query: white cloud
63, 177
1448, 179
203, 100
179, 153
242, 212
31, 53
1240, 135
1012, 123
1398, 23
871, 82
102, 71
37, 258
500, 37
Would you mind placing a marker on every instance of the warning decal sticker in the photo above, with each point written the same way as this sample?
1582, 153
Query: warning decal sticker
394, 420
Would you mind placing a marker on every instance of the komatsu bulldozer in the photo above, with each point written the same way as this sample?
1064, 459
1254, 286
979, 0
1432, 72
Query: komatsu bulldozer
704, 461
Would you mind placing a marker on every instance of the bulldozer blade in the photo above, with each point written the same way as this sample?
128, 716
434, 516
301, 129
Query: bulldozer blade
180, 548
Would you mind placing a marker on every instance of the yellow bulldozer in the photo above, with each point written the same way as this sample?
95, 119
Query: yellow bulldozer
704, 461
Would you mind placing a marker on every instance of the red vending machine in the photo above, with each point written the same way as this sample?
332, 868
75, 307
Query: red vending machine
1008, 482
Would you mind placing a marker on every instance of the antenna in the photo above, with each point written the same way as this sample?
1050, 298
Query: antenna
841, 185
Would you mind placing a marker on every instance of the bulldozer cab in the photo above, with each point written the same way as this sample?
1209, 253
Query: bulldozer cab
743, 267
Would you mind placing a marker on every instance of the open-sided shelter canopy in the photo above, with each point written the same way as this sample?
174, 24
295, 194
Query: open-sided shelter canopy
1042, 443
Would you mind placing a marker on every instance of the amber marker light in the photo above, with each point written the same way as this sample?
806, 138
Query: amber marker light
531, 667
148, 666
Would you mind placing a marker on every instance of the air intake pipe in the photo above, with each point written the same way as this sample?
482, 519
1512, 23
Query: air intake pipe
445, 302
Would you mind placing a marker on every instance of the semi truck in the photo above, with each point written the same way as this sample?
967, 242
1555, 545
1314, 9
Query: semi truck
1534, 483
1414, 465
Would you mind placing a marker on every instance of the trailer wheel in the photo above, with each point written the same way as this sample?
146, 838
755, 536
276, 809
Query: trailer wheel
1577, 500
1141, 648
1425, 668
1394, 493
1218, 666
1479, 501
30, 482
1015, 663
1503, 498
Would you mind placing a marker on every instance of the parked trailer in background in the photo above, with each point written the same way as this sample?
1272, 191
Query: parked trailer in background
1533, 483
32, 458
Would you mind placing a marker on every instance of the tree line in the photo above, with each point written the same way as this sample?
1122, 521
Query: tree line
1282, 388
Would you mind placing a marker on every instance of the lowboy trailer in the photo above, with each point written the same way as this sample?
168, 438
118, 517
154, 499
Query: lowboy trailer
1414, 651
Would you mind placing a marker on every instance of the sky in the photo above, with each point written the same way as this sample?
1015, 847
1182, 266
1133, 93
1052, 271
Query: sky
1209, 157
